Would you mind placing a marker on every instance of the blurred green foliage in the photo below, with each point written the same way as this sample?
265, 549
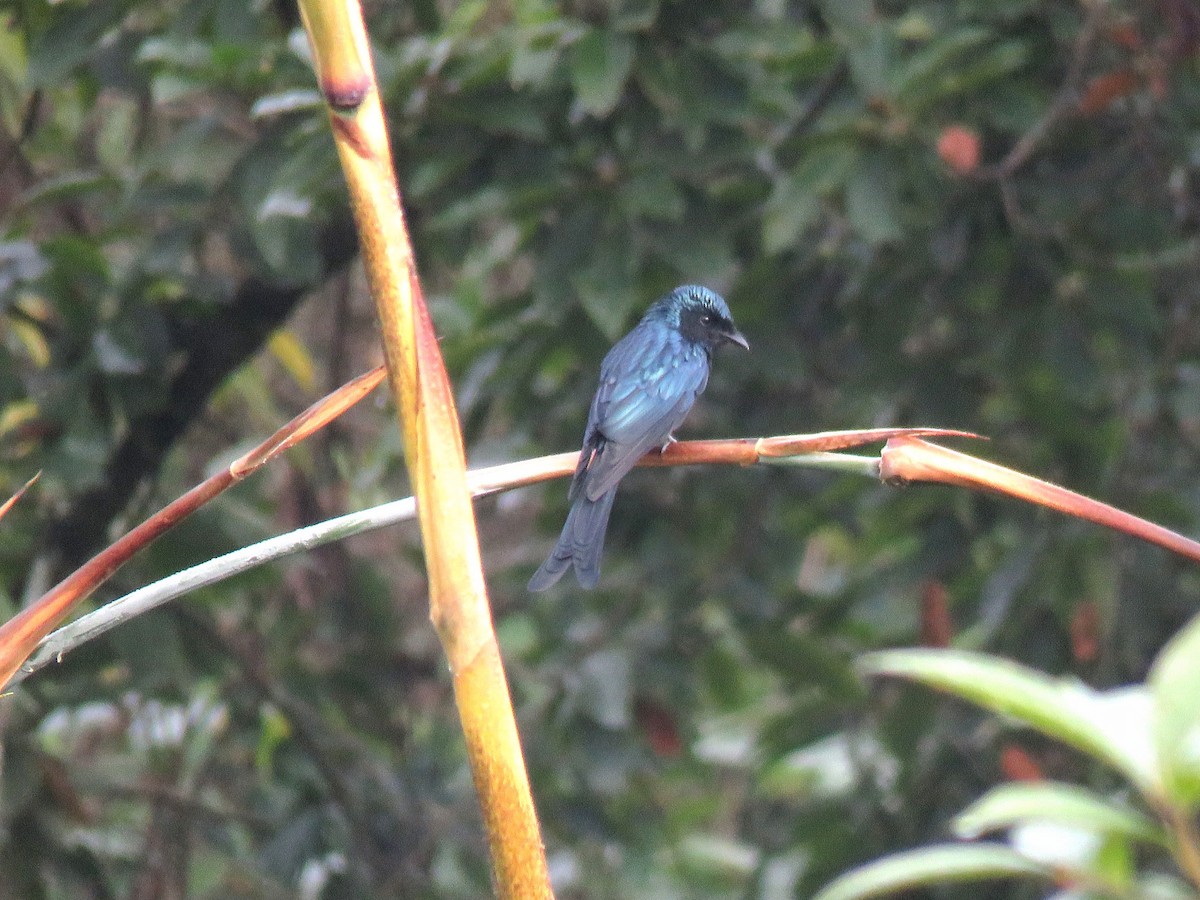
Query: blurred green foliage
1088, 843
169, 194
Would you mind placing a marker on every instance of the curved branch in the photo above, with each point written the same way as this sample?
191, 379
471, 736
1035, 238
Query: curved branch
1064, 102
904, 459
481, 482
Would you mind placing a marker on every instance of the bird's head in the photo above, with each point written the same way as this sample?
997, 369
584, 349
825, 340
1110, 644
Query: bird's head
702, 317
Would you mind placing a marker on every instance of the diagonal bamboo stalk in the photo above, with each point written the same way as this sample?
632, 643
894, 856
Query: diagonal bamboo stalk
432, 447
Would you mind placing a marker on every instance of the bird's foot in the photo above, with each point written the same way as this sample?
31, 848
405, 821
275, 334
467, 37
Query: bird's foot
671, 439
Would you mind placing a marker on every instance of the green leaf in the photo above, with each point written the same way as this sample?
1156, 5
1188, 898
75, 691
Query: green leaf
788, 214
654, 194
831, 767
715, 857
274, 729
872, 58
532, 65
848, 15
68, 186
1113, 726
1175, 684
284, 235
932, 61
117, 133
504, 116
1013, 804
607, 286
636, 15
691, 247
176, 52
872, 205
607, 305
932, 865
794, 205
74, 38
600, 63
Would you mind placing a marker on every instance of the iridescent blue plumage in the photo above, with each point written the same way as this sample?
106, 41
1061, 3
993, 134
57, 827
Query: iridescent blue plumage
648, 383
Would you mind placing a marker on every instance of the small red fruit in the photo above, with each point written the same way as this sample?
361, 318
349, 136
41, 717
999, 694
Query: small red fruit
958, 147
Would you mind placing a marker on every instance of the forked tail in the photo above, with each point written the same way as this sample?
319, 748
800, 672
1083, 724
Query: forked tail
581, 543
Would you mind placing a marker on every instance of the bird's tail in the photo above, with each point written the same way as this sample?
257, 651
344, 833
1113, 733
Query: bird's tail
581, 543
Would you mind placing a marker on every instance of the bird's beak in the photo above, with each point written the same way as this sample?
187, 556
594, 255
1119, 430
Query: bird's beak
734, 336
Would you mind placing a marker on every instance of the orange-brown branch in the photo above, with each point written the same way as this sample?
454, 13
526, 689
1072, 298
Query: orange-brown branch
21, 634
911, 459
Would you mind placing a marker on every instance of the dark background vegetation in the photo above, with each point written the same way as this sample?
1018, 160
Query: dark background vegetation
974, 214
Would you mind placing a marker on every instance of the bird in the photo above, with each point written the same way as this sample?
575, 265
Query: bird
648, 383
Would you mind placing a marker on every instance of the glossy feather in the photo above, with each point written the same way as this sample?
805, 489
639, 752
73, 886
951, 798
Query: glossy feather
648, 383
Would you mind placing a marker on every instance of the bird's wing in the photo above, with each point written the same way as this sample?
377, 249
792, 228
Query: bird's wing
648, 383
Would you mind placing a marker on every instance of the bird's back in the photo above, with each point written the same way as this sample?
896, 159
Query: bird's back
648, 383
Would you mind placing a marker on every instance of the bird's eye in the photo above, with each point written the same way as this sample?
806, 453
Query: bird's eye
707, 319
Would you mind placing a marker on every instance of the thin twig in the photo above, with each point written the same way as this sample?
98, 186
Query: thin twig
821, 98
1065, 100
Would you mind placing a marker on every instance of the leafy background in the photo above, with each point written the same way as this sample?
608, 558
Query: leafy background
977, 215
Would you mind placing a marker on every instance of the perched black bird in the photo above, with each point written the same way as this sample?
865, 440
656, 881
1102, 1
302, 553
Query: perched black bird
648, 382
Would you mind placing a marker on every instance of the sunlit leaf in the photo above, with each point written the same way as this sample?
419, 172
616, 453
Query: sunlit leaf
1011, 804
1112, 726
15, 414
294, 357
1175, 683
714, 856
932, 866
274, 729
32, 340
